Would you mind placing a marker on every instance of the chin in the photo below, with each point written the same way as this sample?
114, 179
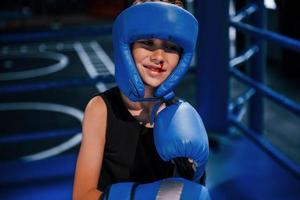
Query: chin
152, 85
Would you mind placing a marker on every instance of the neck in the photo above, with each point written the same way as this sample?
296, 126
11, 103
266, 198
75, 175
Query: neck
141, 111
137, 105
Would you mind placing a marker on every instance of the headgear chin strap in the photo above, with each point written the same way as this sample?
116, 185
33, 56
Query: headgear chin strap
152, 20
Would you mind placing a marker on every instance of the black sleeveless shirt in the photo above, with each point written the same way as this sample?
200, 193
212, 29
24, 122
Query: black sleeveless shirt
129, 153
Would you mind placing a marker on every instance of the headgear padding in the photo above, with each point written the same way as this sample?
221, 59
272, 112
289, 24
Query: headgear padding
151, 20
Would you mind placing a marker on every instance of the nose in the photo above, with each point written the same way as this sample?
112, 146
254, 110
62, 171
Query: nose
157, 56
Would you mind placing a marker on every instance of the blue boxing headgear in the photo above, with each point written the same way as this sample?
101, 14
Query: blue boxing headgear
152, 20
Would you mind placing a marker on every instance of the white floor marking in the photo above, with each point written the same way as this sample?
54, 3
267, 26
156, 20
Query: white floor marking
62, 62
75, 140
90, 68
103, 57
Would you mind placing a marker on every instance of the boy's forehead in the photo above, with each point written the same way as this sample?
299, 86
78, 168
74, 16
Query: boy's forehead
158, 40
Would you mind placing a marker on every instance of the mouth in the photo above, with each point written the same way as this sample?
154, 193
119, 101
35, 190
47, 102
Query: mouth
155, 68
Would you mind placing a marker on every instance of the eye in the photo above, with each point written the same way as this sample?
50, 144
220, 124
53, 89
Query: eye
146, 43
173, 48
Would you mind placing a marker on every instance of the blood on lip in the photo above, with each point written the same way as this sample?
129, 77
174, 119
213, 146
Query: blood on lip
156, 69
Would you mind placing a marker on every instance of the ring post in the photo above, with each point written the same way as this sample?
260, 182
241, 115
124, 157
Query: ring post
212, 63
257, 68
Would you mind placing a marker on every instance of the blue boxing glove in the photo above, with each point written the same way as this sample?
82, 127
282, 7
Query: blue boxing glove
179, 132
166, 189
119, 191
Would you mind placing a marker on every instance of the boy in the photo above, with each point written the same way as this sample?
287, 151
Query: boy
118, 144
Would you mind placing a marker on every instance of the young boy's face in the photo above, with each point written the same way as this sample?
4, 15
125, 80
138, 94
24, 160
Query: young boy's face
155, 59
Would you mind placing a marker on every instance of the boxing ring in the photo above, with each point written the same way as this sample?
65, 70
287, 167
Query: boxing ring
216, 65
48, 172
